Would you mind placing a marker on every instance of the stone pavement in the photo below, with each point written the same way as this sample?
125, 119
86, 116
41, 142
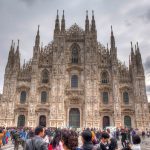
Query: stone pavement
145, 145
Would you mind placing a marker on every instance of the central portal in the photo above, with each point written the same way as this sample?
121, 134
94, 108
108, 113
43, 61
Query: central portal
74, 118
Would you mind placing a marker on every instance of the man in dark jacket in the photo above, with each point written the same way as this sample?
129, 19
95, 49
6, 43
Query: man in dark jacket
37, 143
87, 140
104, 145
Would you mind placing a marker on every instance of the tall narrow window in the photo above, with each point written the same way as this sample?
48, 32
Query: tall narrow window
45, 76
127, 122
75, 55
43, 97
105, 78
21, 121
105, 97
23, 96
74, 81
126, 98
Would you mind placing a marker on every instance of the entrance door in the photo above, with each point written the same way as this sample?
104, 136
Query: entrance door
106, 121
127, 121
42, 121
21, 121
74, 118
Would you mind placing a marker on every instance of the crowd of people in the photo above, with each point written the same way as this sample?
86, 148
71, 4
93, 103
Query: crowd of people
42, 138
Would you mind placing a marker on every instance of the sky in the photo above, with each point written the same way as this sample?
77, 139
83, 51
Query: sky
130, 19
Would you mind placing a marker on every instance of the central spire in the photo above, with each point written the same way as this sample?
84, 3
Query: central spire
37, 39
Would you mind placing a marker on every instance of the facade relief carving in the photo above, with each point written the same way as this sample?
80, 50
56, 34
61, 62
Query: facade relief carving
75, 51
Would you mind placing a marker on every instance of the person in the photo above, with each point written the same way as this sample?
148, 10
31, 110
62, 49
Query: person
148, 134
37, 142
123, 138
1, 137
86, 138
69, 139
4, 136
117, 134
7, 136
104, 143
136, 143
56, 143
113, 145
143, 135
30, 134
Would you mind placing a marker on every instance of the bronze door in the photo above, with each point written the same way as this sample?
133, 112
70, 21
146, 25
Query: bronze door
42, 121
74, 118
106, 122
21, 121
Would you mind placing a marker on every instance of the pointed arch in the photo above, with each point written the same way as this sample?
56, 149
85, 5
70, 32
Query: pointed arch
75, 50
45, 76
104, 77
23, 96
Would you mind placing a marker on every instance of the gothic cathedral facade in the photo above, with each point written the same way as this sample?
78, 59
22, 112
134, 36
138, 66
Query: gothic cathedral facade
74, 81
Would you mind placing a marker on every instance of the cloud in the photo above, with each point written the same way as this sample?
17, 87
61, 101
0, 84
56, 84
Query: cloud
148, 88
147, 65
145, 16
19, 19
29, 2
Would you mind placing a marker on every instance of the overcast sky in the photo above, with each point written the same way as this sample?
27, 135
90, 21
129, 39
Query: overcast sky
130, 20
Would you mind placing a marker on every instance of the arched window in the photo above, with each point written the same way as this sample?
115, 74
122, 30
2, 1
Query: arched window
105, 97
74, 81
43, 97
105, 78
75, 55
45, 76
126, 97
127, 121
23, 96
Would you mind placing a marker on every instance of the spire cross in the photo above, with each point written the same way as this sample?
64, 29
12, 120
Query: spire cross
57, 13
111, 30
107, 46
137, 45
18, 42
131, 45
38, 28
86, 12
93, 13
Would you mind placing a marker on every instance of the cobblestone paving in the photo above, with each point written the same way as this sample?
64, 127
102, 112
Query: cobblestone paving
145, 145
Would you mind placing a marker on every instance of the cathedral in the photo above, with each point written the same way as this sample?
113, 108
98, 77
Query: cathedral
74, 81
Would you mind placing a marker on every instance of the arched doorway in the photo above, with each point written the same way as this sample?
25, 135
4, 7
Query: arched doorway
106, 121
42, 121
74, 118
21, 121
127, 121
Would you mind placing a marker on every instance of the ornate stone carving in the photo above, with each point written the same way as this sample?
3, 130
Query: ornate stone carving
93, 58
